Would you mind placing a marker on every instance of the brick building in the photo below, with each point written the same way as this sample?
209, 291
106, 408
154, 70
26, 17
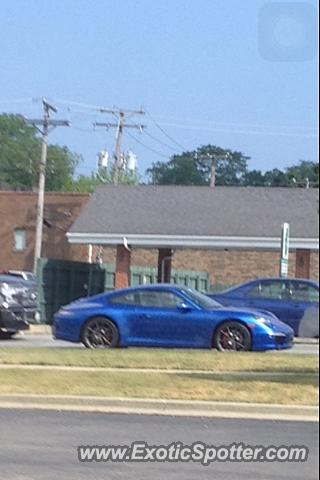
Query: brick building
231, 233
17, 228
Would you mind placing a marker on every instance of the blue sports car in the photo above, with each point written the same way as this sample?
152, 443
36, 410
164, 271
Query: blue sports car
168, 316
289, 299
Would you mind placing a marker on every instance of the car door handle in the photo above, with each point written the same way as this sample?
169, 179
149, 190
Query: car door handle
145, 316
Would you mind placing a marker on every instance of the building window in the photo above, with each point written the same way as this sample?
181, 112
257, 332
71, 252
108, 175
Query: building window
20, 239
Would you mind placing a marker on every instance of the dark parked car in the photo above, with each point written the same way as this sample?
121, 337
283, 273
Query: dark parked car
23, 274
293, 301
18, 304
168, 316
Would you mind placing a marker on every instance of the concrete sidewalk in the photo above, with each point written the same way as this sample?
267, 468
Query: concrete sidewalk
39, 330
142, 406
168, 371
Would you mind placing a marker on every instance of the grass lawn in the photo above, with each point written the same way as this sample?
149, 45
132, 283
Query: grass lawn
300, 387
294, 390
210, 360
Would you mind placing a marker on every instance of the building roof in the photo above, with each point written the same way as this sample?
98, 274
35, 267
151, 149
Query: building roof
166, 213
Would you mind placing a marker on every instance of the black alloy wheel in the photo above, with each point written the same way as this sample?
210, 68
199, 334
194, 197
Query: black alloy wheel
100, 332
232, 337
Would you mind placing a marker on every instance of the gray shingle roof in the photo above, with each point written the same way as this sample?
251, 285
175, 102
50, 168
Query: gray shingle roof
200, 211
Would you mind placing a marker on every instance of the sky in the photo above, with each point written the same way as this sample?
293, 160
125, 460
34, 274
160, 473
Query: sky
232, 73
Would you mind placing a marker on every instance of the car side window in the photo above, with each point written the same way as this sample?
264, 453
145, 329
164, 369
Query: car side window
302, 292
159, 299
270, 290
127, 299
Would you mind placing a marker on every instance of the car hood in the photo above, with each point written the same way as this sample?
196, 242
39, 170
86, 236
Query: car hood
250, 311
275, 323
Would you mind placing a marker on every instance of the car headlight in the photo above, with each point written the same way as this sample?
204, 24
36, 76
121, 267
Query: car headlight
6, 293
263, 320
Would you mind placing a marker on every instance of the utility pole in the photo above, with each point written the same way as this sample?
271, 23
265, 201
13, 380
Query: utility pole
213, 157
120, 125
46, 123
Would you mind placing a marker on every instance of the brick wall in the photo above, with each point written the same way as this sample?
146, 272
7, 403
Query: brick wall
18, 210
229, 267
314, 266
226, 267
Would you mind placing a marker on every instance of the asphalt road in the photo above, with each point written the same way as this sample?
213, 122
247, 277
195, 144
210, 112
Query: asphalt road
46, 341
39, 445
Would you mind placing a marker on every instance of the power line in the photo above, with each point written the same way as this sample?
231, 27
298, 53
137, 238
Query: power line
165, 133
241, 131
199, 123
79, 104
193, 123
159, 141
147, 147
85, 130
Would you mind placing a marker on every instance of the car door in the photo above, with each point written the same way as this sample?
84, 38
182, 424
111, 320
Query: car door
159, 321
271, 295
303, 296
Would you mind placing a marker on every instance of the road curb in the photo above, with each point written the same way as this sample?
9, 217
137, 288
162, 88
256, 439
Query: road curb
306, 341
141, 406
39, 330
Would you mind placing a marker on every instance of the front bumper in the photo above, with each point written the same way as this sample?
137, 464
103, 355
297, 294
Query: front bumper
283, 341
13, 320
275, 341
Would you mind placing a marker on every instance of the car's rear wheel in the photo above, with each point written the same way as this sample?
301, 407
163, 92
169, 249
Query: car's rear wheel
100, 332
232, 336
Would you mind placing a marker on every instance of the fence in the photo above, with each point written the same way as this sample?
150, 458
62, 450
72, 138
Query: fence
61, 282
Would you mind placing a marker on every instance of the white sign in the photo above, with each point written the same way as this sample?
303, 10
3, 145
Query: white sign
285, 248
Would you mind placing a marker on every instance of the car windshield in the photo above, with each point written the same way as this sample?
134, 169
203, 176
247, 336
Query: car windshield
229, 289
200, 299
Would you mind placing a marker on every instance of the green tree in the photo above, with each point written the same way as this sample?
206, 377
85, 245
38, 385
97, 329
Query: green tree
180, 170
61, 166
20, 152
304, 172
255, 178
88, 183
276, 178
300, 175
194, 168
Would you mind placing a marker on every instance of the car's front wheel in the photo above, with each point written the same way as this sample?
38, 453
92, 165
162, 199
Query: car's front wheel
232, 336
100, 332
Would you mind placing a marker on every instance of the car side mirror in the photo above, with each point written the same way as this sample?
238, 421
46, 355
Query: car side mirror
184, 308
